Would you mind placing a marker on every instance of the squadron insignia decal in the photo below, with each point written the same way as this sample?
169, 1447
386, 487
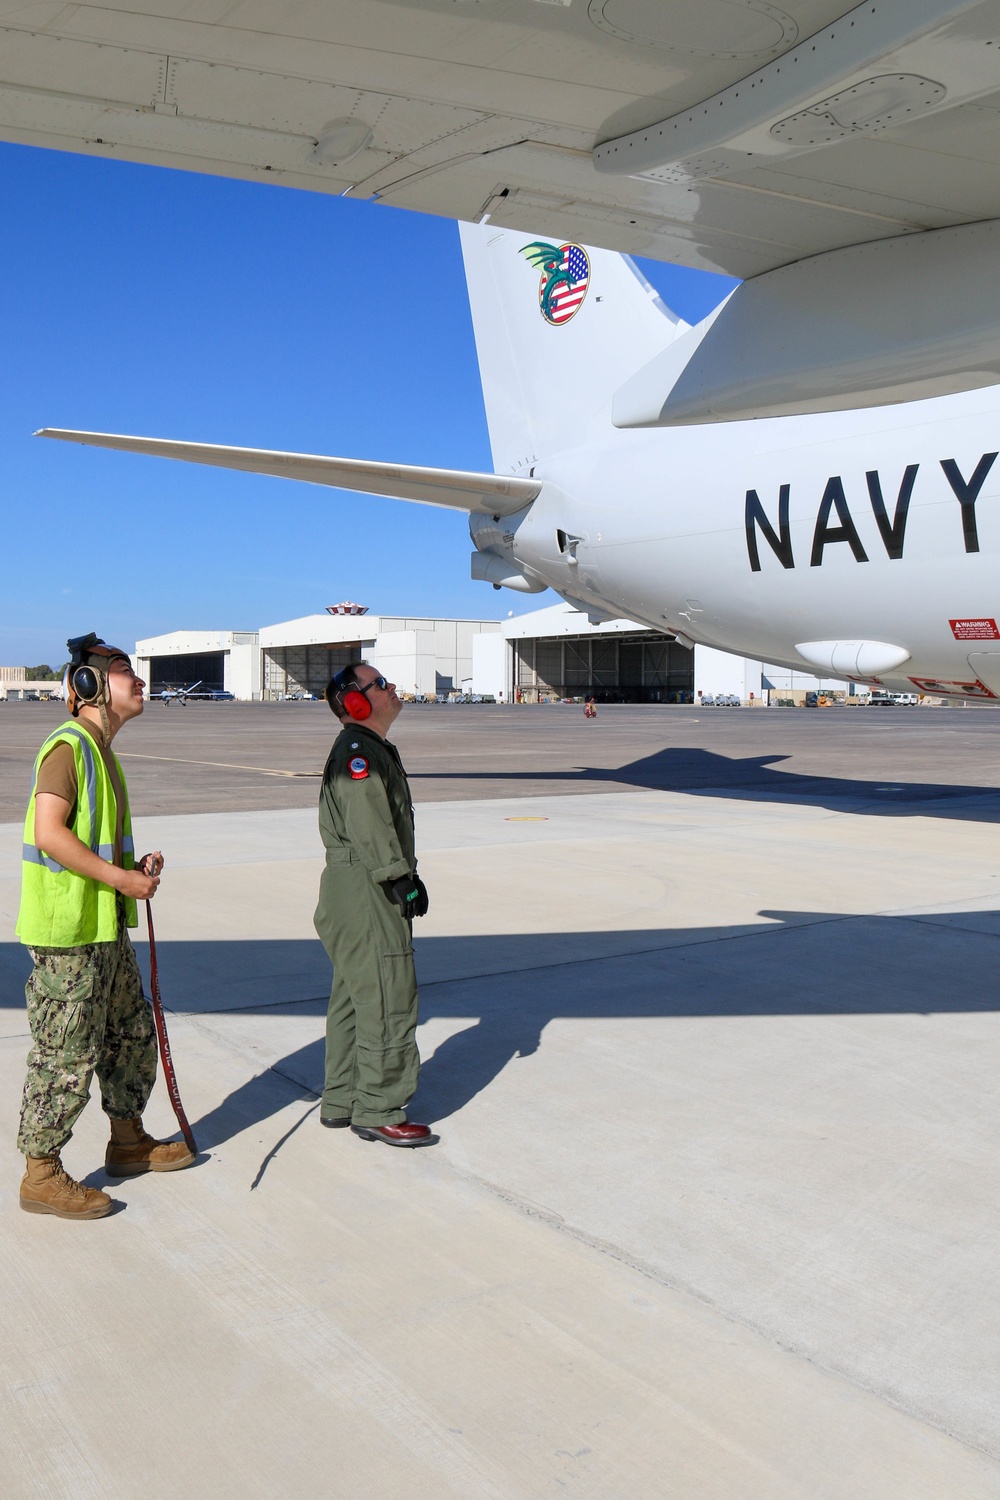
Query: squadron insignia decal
358, 767
564, 280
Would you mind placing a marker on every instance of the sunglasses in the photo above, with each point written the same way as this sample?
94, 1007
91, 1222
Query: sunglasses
378, 682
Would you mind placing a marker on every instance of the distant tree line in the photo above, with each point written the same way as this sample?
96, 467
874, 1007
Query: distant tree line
43, 673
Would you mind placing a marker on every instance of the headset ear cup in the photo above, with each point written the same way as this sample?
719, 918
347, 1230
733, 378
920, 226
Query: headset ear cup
86, 684
357, 705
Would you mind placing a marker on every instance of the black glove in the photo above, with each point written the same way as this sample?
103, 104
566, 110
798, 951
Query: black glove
410, 894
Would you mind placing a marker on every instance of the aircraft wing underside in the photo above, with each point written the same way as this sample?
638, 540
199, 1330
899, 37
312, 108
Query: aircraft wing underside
732, 135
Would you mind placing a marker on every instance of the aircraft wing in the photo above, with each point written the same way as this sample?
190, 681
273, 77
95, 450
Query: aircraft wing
802, 147
730, 135
456, 489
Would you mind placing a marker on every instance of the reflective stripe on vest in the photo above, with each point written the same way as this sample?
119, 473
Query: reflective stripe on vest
32, 856
29, 852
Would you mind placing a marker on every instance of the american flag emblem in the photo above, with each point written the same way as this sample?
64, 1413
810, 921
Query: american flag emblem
564, 280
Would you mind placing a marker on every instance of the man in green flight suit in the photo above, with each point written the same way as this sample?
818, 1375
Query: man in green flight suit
368, 896
79, 886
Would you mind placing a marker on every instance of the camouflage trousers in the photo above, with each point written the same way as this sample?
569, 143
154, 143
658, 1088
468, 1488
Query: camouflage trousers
87, 1015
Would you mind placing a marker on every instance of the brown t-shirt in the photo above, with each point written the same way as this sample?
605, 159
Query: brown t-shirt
57, 774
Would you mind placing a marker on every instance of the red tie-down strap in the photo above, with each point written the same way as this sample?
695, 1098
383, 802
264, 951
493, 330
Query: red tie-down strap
164, 1041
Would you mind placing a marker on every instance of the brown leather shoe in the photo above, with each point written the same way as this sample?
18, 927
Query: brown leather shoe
397, 1135
131, 1151
47, 1188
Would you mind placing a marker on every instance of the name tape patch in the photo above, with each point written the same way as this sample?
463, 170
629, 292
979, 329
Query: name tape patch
358, 767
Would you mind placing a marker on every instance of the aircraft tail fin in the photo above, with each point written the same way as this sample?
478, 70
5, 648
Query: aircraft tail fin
558, 329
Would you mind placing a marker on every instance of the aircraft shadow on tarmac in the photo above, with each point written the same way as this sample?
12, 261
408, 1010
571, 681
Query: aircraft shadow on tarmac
706, 774
508, 988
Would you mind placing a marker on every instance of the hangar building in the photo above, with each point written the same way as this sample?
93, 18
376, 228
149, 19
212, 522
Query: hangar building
300, 656
551, 652
557, 653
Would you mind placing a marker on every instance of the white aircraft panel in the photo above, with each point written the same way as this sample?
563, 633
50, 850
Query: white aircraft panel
467, 101
729, 135
827, 76
78, 70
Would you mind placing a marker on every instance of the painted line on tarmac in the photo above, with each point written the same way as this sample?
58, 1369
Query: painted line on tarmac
219, 765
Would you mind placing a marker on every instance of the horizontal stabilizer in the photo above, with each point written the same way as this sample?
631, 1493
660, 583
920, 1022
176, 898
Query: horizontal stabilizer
457, 489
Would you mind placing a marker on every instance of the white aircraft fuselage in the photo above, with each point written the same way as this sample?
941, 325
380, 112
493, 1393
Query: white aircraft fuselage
880, 525
858, 544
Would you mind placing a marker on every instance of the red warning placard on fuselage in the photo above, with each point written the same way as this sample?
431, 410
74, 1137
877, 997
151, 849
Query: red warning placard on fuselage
974, 630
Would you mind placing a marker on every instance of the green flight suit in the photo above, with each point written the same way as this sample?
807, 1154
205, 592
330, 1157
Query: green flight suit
366, 823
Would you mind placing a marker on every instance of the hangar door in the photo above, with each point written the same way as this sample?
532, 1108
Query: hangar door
173, 672
646, 668
304, 669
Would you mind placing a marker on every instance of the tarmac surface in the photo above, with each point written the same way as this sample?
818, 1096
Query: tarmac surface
237, 757
710, 1035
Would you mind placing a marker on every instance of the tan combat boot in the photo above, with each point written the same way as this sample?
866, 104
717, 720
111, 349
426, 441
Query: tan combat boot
47, 1188
131, 1151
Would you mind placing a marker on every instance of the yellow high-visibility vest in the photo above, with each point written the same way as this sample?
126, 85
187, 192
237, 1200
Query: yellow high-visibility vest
60, 909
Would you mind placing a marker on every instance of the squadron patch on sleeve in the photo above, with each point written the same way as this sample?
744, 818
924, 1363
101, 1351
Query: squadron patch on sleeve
358, 767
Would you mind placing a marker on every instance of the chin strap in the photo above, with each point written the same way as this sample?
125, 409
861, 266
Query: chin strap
164, 1041
102, 709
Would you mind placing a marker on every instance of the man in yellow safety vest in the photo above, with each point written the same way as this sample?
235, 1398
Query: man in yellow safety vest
79, 887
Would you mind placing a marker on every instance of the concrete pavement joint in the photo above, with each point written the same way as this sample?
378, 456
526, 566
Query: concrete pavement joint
928, 920
684, 1289
606, 1248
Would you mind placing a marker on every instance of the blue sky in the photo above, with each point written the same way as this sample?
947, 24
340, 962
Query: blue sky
138, 299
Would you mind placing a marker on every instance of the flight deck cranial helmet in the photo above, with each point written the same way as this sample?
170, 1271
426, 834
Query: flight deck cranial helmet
85, 683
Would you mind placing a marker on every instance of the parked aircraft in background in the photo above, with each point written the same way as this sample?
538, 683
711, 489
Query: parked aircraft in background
184, 695
178, 695
842, 162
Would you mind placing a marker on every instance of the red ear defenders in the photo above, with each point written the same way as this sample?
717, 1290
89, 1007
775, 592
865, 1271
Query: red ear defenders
344, 686
356, 704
